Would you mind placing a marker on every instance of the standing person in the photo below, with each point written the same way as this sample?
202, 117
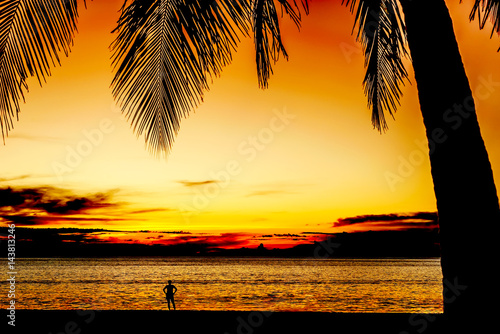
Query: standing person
170, 290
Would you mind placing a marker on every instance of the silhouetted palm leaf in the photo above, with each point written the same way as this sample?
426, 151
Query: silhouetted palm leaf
163, 54
267, 34
32, 35
381, 32
487, 9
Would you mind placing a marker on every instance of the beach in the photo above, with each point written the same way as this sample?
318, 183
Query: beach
220, 322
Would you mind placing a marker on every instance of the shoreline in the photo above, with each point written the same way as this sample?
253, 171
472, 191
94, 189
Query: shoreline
220, 322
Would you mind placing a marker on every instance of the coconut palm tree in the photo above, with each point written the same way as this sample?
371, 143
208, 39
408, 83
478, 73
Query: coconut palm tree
466, 196
33, 34
467, 201
202, 42
465, 191
166, 52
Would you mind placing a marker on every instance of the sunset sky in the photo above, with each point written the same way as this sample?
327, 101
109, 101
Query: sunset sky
297, 157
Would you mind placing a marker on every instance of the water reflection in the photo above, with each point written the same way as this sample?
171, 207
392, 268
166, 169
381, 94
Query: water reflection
232, 284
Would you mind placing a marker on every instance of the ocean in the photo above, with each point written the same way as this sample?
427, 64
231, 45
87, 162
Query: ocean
239, 284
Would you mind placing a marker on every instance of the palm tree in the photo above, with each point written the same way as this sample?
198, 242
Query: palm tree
166, 51
32, 36
465, 191
466, 196
467, 201
463, 180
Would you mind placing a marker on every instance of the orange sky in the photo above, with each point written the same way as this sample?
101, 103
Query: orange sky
293, 158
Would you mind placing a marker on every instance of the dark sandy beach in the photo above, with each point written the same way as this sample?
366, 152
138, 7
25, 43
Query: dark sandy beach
220, 322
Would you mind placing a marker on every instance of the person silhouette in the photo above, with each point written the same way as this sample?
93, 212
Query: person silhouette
169, 293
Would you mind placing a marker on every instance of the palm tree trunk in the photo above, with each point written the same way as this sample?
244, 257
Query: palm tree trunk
467, 202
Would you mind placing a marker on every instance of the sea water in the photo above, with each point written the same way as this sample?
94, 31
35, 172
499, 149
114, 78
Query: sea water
217, 283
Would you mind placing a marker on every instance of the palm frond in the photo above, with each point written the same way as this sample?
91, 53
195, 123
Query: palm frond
267, 35
33, 33
381, 32
487, 10
163, 54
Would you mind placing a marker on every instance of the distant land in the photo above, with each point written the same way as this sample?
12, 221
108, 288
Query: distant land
412, 243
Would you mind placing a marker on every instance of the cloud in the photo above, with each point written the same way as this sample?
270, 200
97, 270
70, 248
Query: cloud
38, 138
151, 210
162, 238
68, 205
223, 240
196, 183
43, 205
14, 178
52, 236
320, 233
23, 220
9, 197
392, 221
27, 220
166, 232
287, 235
51, 200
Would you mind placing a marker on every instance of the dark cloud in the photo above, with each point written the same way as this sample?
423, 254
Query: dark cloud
42, 235
29, 219
68, 205
210, 241
165, 232
175, 232
319, 233
23, 220
51, 200
287, 235
39, 206
9, 197
401, 221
